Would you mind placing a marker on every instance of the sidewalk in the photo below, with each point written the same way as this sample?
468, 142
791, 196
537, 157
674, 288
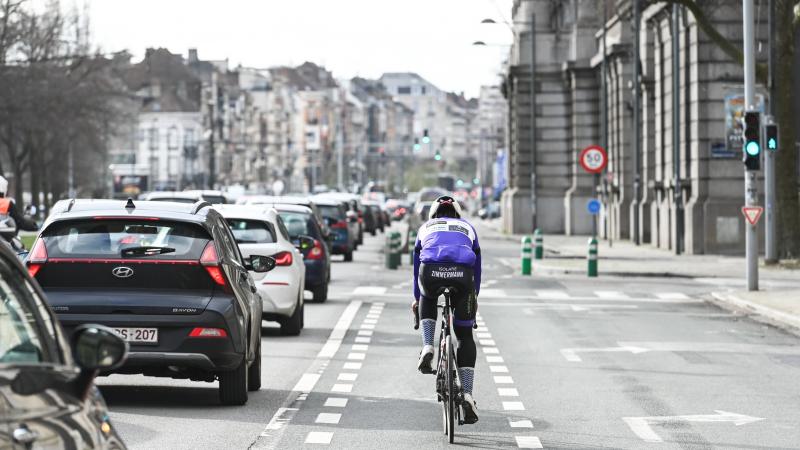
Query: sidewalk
777, 301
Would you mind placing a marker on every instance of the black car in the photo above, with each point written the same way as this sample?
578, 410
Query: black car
168, 277
343, 227
301, 221
377, 214
47, 394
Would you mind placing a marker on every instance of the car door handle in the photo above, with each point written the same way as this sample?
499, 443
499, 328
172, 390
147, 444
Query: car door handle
24, 435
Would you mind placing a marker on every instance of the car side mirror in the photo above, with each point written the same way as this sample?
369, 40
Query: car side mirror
305, 242
260, 264
97, 347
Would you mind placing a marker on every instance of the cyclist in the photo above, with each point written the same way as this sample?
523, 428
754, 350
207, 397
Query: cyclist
447, 254
8, 208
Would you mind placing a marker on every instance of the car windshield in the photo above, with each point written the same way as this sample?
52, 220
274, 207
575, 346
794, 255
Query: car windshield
297, 224
251, 231
332, 212
125, 238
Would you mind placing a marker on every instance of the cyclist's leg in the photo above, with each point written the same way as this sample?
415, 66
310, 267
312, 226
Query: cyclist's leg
463, 321
428, 311
427, 319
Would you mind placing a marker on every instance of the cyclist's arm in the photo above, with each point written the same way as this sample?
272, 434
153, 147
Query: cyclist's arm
476, 267
417, 249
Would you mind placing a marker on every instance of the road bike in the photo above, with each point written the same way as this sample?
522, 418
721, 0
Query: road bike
448, 383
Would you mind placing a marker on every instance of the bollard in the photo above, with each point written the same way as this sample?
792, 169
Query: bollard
389, 260
526, 255
394, 244
412, 242
592, 258
538, 240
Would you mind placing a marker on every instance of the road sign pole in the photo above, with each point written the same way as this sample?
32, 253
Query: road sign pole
750, 186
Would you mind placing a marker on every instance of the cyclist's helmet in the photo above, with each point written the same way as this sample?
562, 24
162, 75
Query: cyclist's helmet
445, 206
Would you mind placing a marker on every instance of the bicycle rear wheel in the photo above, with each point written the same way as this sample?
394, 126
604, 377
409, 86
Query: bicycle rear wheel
451, 392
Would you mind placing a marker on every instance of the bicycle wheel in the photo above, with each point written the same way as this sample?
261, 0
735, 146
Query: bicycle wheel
451, 391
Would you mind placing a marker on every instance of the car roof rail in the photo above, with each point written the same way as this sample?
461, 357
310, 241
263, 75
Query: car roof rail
200, 204
70, 205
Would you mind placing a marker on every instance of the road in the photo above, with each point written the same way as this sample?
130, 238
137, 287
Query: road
563, 362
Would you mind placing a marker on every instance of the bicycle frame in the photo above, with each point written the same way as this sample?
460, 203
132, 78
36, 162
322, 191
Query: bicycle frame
443, 366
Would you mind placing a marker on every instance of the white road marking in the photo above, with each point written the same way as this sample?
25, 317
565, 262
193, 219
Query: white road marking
345, 376
356, 356
337, 334
611, 294
498, 369
503, 379
319, 437
367, 326
567, 298
519, 423
306, 382
490, 350
365, 332
328, 418
715, 347
352, 366
363, 340
671, 296
335, 402
278, 421
494, 293
370, 321
641, 425
369, 290
494, 359
359, 348
342, 387
507, 392
487, 342
373, 316
513, 406
484, 335
528, 442
552, 294
571, 354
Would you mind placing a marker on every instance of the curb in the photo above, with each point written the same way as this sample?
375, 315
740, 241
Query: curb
780, 319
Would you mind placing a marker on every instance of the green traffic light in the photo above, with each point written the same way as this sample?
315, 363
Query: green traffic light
426, 140
460, 182
417, 147
476, 181
752, 148
772, 144
438, 157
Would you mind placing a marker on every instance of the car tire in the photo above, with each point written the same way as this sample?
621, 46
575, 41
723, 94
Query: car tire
254, 372
233, 385
320, 293
291, 326
348, 257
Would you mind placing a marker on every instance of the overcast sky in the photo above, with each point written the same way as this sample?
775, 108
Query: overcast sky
349, 37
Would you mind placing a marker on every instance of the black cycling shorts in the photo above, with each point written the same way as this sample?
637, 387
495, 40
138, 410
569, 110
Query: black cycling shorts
433, 278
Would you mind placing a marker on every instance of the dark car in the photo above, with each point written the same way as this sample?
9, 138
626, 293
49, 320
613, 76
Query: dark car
47, 394
168, 277
371, 220
354, 204
343, 228
377, 212
301, 221
286, 200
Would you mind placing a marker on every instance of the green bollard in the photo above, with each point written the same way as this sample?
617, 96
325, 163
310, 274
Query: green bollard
393, 250
592, 258
538, 239
526, 255
412, 242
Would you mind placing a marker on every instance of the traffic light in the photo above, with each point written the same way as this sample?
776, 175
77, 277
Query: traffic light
771, 131
425, 138
438, 156
752, 141
417, 147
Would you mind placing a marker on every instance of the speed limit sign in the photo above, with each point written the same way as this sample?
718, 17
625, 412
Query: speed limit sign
593, 159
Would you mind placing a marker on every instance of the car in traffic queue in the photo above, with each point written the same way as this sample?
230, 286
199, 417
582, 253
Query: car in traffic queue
168, 277
192, 196
377, 213
301, 222
258, 229
286, 200
49, 399
344, 228
354, 205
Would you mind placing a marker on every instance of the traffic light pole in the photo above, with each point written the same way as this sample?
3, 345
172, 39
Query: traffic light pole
750, 186
771, 250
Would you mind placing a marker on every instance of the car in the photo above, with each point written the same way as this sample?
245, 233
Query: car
354, 204
374, 210
258, 229
490, 211
168, 277
286, 200
49, 399
371, 220
193, 196
344, 228
301, 222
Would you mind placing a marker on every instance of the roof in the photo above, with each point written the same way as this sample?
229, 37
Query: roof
264, 199
250, 212
81, 208
192, 195
291, 207
164, 82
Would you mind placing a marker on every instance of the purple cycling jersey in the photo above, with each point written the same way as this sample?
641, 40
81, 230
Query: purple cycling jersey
447, 240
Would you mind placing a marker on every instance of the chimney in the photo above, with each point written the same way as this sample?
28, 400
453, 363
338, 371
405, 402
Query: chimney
149, 51
192, 55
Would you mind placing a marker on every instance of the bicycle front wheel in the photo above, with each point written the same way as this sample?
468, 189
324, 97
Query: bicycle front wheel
451, 391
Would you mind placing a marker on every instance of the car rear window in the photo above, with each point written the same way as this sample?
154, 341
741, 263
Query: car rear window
297, 223
215, 199
334, 212
251, 231
125, 238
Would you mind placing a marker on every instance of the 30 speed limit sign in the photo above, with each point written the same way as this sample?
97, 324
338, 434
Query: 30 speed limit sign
593, 159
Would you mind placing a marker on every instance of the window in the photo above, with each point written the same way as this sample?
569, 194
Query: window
333, 212
297, 224
152, 138
251, 231
404, 90
172, 138
188, 138
22, 338
422, 90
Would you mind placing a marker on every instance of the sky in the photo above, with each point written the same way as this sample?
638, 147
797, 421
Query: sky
349, 37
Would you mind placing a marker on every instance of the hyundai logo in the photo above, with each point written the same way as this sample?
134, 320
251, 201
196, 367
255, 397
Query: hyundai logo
122, 272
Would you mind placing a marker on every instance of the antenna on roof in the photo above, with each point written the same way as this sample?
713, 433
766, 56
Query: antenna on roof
129, 204
71, 204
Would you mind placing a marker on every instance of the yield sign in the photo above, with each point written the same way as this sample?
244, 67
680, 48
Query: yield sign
752, 213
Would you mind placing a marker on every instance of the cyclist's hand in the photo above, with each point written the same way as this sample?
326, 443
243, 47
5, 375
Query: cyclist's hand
415, 312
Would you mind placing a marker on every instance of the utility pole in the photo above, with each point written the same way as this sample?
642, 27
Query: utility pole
212, 157
637, 130
750, 187
603, 125
340, 149
676, 131
533, 120
771, 250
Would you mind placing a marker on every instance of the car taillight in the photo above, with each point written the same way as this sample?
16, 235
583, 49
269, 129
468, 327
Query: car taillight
339, 225
37, 258
283, 258
201, 332
210, 262
316, 251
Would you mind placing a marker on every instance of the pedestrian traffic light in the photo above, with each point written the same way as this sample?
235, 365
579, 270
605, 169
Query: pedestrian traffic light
417, 147
425, 138
438, 156
771, 131
752, 141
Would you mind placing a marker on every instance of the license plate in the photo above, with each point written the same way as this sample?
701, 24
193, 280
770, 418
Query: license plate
139, 335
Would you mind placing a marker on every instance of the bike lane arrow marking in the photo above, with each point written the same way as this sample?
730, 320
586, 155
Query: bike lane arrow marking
641, 425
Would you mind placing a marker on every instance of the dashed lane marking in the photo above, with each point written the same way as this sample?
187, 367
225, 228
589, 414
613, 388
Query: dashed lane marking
306, 382
365, 332
528, 442
513, 406
356, 356
328, 418
359, 347
319, 437
484, 335
347, 376
672, 296
341, 387
498, 369
519, 423
487, 342
335, 402
552, 294
507, 392
369, 290
610, 294
352, 366
494, 359
363, 340
490, 350
503, 379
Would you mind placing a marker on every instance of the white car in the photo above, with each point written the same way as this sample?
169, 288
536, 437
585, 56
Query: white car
259, 230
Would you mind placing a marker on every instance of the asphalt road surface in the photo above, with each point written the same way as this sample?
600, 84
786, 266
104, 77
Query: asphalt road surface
563, 362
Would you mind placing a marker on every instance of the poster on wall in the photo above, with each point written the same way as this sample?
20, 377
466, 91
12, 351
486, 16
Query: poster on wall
734, 127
